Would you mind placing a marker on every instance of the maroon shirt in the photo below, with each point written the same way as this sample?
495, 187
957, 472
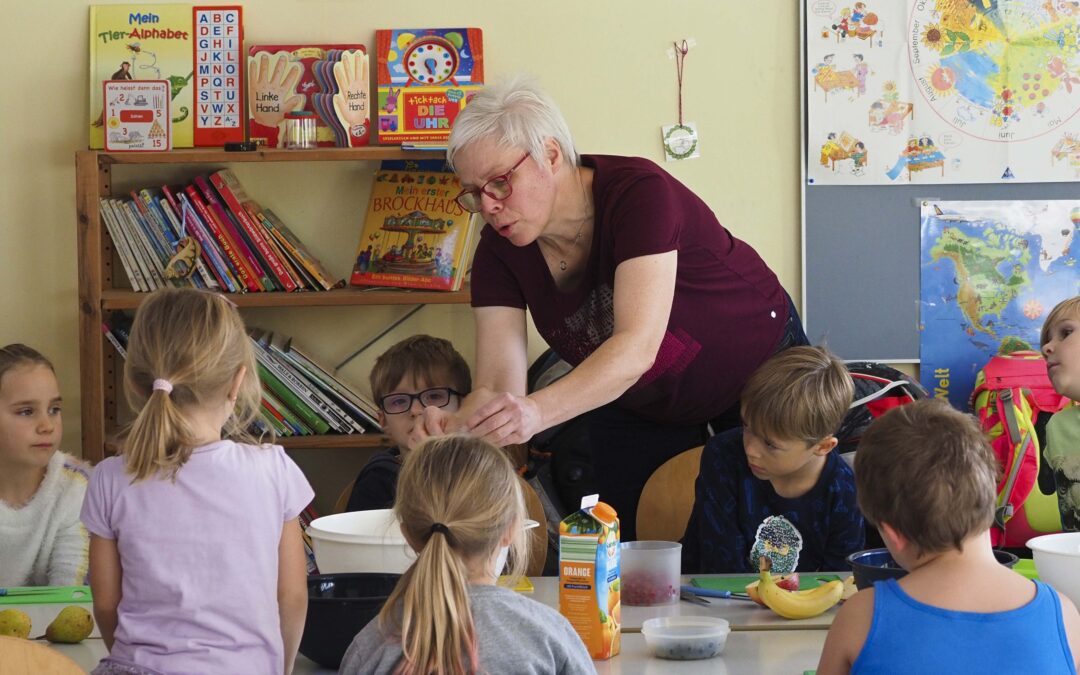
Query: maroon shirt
728, 311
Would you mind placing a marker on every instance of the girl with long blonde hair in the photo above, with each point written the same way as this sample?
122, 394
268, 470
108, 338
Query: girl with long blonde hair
460, 504
196, 558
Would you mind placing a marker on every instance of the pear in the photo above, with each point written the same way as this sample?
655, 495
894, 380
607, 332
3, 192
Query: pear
71, 625
14, 623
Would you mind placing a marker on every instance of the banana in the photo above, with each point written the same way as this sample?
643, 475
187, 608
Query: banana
798, 604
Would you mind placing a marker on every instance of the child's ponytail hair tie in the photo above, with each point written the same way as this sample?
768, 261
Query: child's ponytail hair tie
162, 385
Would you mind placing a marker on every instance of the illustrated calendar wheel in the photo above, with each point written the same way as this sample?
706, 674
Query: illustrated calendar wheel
431, 60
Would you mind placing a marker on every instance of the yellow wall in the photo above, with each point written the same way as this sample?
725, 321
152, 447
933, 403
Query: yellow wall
604, 61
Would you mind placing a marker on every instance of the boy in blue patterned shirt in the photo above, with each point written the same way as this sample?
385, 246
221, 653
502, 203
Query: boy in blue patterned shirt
780, 466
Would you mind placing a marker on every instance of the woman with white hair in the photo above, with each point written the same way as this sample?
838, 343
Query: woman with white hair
629, 277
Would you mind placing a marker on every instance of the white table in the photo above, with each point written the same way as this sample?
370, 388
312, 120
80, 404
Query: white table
760, 641
742, 615
789, 652
91, 650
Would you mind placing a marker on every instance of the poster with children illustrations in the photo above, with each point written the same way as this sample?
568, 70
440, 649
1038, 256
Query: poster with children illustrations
136, 115
942, 91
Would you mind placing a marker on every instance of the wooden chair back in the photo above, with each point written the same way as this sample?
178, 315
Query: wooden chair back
668, 498
27, 657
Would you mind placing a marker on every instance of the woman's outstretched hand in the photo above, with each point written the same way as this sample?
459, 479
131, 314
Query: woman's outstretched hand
505, 420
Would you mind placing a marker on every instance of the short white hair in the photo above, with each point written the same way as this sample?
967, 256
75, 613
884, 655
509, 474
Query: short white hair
515, 112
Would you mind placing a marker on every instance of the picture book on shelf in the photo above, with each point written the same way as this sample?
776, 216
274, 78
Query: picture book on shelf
136, 115
415, 235
329, 80
143, 41
425, 77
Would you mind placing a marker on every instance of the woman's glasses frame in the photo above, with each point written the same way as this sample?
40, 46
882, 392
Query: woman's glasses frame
495, 187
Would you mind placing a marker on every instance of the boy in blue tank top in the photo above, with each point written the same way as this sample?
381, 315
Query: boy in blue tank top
927, 478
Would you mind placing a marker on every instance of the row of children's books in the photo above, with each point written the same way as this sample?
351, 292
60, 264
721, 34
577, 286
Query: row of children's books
299, 396
209, 234
195, 56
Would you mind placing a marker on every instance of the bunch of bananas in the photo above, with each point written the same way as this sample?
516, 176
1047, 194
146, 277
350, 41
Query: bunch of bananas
797, 604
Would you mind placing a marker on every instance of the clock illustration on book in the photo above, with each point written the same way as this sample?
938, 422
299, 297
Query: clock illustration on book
430, 60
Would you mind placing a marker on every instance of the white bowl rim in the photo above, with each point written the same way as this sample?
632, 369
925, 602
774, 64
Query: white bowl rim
710, 625
1042, 543
325, 528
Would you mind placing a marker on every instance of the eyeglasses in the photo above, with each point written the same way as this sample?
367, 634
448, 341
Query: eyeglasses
498, 188
438, 397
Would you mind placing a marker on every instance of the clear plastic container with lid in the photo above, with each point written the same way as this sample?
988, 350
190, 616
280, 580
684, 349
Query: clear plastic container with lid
300, 130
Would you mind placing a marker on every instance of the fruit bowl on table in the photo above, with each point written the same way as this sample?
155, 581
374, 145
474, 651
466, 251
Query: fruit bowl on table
877, 564
339, 606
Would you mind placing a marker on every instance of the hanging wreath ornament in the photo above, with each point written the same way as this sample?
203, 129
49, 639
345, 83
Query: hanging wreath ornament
680, 141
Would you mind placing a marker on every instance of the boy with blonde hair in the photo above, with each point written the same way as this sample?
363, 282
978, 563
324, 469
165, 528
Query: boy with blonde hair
927, 479
418, 372
778, 472
1059, 342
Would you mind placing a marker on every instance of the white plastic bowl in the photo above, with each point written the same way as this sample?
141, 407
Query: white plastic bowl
360, 541
504, 552
685, 638
1057, 560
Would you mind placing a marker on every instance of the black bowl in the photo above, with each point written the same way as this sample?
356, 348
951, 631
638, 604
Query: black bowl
877, 564
339, 605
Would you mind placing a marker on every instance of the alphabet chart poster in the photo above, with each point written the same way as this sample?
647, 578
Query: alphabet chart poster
219, 79
136, 116
942, 91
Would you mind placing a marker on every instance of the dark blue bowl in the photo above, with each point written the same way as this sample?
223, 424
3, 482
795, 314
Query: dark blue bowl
339, 605
877, 564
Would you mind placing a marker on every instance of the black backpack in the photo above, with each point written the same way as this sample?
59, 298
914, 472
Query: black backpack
878, 389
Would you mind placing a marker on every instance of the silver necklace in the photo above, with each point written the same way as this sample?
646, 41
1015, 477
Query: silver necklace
581, 228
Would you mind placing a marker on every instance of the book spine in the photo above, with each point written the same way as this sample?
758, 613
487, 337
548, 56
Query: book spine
289, 240
305, 277
120, 216
238, 264
287, 417
345, 398
163, 232
360, 400
226, 223
203, 269
303, 280
321, 406
282, 391
341, 420
121, 245
209, 248
149, 228
112, 340
135, 229
234, 196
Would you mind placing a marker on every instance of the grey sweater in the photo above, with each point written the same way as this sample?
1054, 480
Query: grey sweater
514, 635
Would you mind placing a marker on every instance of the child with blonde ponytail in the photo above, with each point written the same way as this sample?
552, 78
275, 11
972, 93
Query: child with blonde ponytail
460, 505
196, 557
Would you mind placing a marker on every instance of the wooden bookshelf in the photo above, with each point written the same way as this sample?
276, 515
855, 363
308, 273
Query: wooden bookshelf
338, 297
99, 297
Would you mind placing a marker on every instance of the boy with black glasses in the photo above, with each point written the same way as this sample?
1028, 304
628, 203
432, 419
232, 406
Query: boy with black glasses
419, 372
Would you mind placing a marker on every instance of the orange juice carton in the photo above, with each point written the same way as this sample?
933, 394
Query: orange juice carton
589, 584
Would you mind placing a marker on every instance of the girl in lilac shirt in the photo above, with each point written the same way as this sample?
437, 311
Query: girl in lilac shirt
196, 558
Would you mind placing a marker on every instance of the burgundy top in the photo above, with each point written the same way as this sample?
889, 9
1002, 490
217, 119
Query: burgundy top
727, 315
